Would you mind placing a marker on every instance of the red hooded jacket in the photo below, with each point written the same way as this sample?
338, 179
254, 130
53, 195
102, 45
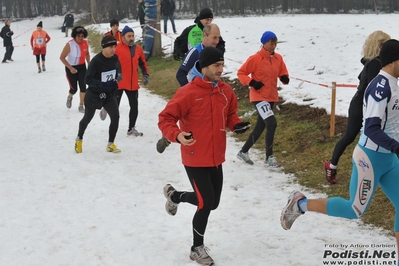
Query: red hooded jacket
206, 111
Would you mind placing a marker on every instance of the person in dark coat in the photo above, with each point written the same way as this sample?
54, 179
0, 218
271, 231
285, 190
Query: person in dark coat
141, 14
192, 35
168, 9
68, 22
6, 34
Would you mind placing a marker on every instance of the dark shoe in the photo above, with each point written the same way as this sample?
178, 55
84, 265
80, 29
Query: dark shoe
331, 174
39, 70
44, 68
162, 144
4, 61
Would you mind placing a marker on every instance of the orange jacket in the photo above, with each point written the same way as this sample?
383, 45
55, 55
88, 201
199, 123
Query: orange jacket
118, 35
130, 65
39, 39
206, 111
265, 68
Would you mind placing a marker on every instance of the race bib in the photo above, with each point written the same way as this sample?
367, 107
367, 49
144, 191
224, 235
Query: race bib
108, 76
264, 109
39, 41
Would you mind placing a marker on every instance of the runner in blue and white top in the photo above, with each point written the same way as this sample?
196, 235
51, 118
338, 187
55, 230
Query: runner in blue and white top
375, 158
211, 36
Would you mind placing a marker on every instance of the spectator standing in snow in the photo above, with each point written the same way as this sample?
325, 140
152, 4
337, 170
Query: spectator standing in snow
261, 72
203, 108
38, 41
74, 56
6, 34
168, 9
141, 14
68, 22
371, 68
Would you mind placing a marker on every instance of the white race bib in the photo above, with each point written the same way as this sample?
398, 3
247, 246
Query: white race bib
108, 76
264, 109
39, 41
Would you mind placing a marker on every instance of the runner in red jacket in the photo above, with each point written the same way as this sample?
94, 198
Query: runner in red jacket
204, 109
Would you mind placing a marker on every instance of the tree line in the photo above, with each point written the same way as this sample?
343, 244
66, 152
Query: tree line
119, 9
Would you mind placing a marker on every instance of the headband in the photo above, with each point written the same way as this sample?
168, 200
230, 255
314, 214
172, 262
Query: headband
105, 45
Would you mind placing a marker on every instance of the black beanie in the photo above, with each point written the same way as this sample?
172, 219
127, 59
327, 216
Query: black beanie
389, 52
209, 56
205, 13
113, 22
40, 24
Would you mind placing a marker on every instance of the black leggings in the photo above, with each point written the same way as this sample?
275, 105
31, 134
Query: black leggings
270, 124
75, 79
133, 97
112, 109
8, 53
207, 183
38, 58
352, 129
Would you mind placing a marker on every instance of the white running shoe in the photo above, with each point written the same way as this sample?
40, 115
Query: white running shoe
291, 211
272, 162
245, 157
200, 254
134, 132
103, 114
170, 206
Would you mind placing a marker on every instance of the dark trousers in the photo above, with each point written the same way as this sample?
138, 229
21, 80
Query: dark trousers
270, 124
38, 58
353, 127
75, 79
111, 106
165, 23
8, 53
133, 97
207, 183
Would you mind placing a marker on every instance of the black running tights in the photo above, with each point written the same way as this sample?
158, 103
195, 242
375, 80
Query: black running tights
112, 109
270, 124
207, 183
133, 97
352, 129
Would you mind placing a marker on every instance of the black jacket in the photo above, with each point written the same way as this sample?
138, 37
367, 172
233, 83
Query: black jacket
141, 13
180, 46
168, 7
69, 20
6, 34
370, 70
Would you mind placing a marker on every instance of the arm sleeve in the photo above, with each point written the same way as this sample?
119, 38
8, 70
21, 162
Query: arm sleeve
185, 67
142, 62
91, 81
246, 69
47, 38
373, 69
175, 109
180, 42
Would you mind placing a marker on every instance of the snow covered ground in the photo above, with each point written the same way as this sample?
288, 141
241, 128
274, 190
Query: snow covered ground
62, 208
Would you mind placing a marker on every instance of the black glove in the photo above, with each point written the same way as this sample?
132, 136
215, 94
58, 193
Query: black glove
146, 79
256, 84
110, 84
285, 79
176, 56
241, 127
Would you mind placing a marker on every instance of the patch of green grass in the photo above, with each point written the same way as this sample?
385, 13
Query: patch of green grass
301, 143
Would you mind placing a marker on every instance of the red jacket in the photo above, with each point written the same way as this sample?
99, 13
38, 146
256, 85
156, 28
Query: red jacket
130, 65
265, 68
118, 35
206, 111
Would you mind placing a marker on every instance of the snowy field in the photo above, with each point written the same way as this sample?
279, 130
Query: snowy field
59, 208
